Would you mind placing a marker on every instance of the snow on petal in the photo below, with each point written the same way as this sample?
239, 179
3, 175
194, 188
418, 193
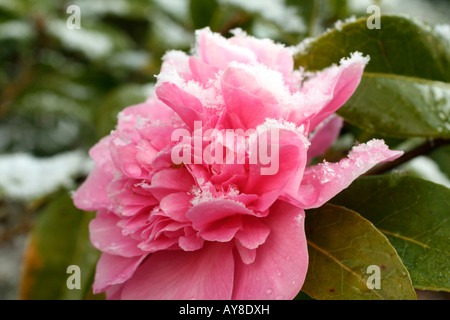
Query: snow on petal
338, 82
323, 181
248, 104
217, 51
273, 55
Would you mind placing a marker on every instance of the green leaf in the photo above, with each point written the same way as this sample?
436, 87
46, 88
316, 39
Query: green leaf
302, 296
399, 106
59, 239
342, 245
202, 12
405, 89
415, 216
402, 46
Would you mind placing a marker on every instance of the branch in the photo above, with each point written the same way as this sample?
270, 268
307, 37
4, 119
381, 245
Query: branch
424, 149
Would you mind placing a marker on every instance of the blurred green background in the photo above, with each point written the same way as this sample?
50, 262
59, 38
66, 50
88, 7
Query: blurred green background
61, 89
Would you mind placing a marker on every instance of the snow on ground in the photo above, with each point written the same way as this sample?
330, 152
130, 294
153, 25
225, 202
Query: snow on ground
437, 13
272, 10
25, 177
427, 169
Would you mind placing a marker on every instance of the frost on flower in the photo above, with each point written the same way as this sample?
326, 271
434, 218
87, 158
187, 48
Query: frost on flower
210, 229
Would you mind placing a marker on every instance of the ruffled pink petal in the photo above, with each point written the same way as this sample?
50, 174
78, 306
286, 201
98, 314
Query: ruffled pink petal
145, 154
163, 159
281, 263
112, 270
191, 241
101, 156
201, 71
221, 230
175, 205
324, 136
123, 154
231, 174
287, 165
129, 198
248, 105
205, 274
323, 181
247, 255
151, 109
161, 243
92, 194
219, 52
106, 236
206, 215
159, 136
339, 82
169, 181
252, 233
162, 227
134, 225
188, 107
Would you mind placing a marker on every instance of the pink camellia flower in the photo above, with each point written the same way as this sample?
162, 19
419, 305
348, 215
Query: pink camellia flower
202, 228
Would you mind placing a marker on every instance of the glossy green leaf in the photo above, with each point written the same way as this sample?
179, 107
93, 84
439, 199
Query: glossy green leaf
415, 216
399, 106
402, 46
59, 239
405, 90
342, 246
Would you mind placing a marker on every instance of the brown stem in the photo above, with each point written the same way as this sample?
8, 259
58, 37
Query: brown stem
423, 149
